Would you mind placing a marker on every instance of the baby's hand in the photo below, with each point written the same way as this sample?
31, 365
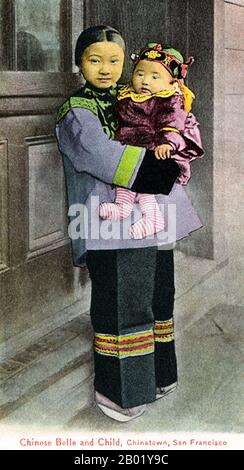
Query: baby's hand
163, 151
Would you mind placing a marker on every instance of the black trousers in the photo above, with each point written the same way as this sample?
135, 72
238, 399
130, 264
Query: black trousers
132, 306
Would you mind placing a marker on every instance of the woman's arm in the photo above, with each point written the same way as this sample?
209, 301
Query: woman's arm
82, 139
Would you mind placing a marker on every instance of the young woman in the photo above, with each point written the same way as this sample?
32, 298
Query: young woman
132, 280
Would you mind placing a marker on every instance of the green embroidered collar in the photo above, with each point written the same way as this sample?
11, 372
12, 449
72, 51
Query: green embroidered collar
101, 102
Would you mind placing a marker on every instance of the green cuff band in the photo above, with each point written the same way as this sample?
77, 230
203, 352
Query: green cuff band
127, 165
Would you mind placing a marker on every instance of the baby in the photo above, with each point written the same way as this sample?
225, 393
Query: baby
154, 112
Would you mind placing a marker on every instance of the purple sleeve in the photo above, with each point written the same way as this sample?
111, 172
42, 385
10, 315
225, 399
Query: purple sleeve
170, 115
183, 133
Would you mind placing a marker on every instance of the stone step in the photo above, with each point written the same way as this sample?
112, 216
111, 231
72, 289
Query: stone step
45, 364
20, 342
203, 276
57, 404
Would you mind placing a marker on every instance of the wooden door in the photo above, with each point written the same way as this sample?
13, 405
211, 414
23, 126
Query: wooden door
36, 271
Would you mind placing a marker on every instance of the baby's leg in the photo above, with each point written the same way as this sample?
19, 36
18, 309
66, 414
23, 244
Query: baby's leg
122, 206
152, 220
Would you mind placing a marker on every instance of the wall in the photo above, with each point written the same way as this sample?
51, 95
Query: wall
192, 31
234, 140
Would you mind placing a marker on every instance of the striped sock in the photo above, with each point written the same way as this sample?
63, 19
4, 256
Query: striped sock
122, 206
152, 220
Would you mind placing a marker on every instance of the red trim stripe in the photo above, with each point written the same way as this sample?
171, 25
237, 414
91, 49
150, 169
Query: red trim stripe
132, 348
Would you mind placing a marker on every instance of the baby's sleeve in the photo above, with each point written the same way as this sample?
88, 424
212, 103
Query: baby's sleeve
170, 119
179, 128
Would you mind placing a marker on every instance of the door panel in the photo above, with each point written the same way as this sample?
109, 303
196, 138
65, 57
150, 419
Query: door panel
46, 198
40, 274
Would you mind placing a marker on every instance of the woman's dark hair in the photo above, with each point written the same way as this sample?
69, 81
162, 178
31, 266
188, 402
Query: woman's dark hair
96, 34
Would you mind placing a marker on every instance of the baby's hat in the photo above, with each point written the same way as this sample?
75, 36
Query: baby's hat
170, 58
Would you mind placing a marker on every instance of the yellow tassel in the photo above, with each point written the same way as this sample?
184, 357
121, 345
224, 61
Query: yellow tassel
188, 96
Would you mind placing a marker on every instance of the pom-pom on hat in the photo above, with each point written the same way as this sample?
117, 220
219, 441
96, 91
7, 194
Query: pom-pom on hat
170, 58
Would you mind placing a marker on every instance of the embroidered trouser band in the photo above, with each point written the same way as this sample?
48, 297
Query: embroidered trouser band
131, 312
123, 346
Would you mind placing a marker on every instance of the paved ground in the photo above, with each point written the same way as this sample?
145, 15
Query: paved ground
52, 380
210, 392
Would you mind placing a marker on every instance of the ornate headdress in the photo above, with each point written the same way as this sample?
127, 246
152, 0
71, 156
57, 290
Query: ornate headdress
170, 58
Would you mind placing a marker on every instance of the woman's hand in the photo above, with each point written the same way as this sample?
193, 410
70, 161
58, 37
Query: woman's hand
163, 151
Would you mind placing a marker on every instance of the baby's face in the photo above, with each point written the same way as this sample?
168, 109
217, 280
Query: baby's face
151, 77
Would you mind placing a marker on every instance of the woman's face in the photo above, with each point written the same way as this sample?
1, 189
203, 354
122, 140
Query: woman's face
102, 64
